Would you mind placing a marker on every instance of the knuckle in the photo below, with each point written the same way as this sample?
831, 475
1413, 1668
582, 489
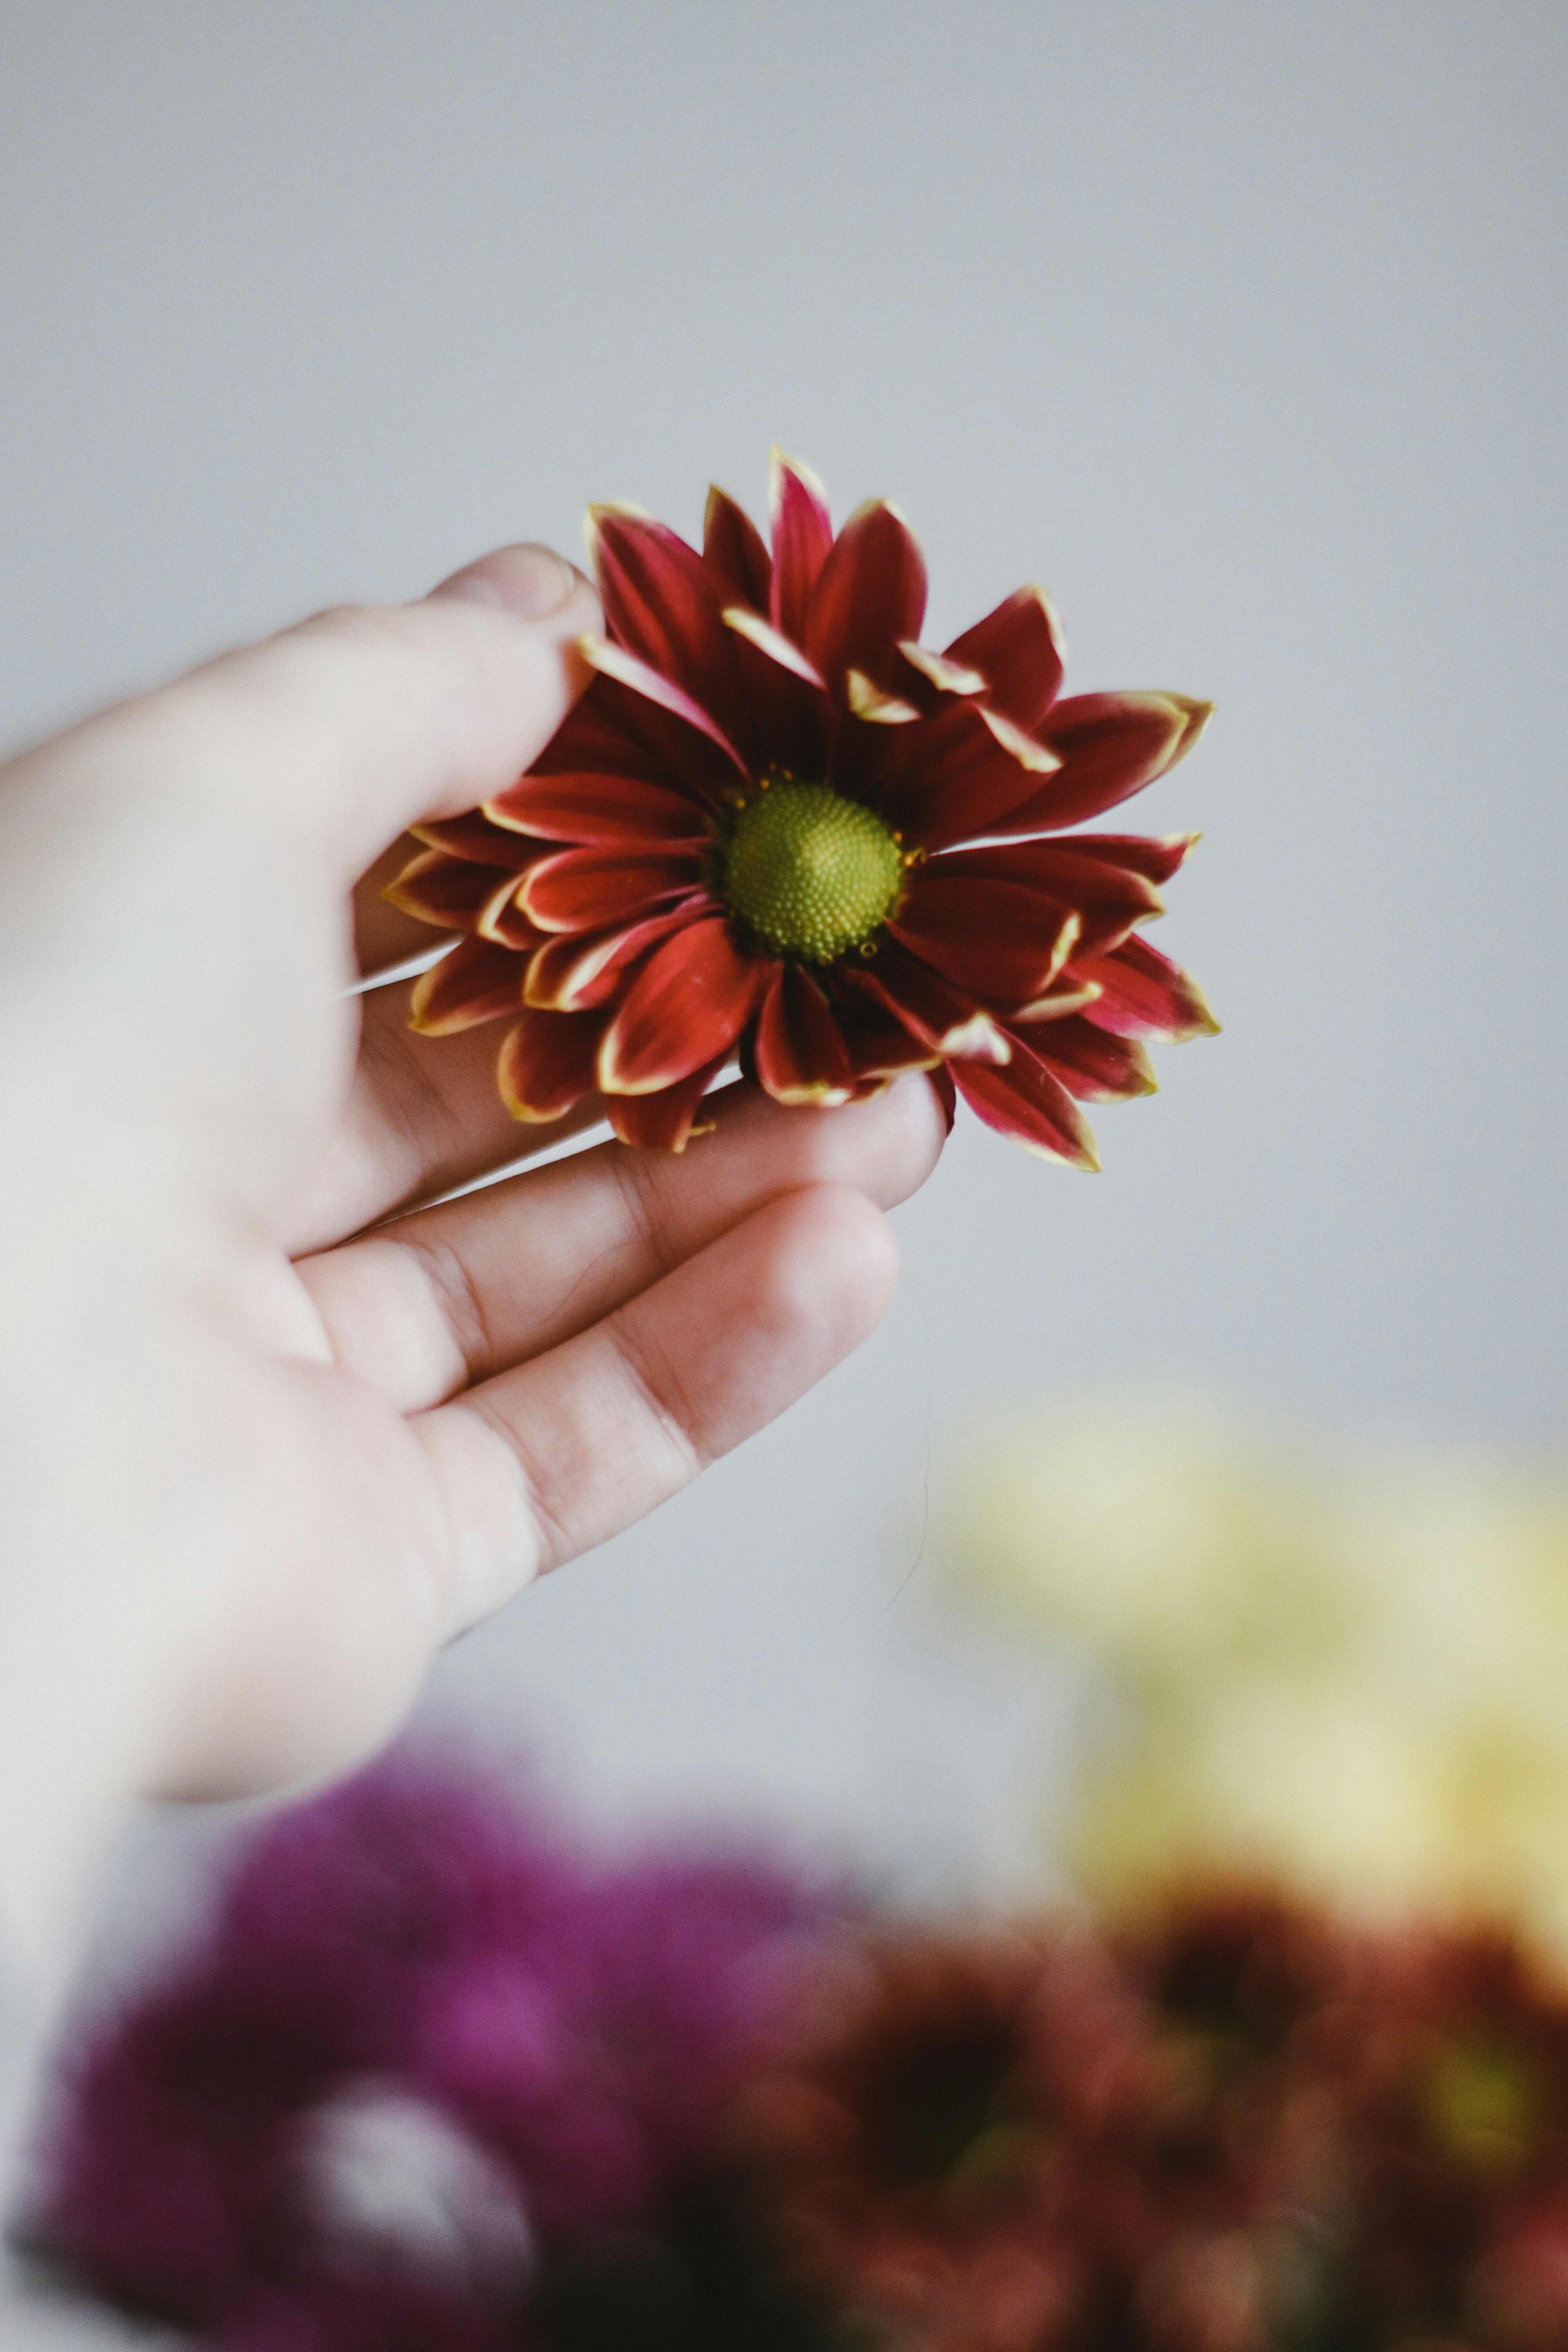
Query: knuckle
360, 624
658, 1390
555, 1538
637, 1176
459, 1300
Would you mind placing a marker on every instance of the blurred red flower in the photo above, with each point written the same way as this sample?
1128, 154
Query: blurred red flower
939, 2147
778, 824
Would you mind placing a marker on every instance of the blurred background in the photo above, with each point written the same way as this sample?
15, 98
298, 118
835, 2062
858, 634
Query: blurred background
1239, 327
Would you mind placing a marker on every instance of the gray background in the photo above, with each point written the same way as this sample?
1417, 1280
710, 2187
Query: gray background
1242, 328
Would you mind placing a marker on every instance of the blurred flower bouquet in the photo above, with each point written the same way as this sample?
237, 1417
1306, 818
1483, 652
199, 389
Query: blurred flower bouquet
432, 2078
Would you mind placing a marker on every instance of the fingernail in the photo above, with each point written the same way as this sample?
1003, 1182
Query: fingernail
529, 580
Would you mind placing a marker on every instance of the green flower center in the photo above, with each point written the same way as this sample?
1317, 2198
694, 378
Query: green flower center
811, 873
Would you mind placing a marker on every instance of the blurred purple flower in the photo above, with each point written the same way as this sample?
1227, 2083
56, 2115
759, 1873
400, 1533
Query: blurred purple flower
595, 2056
369, 2316
423, 2044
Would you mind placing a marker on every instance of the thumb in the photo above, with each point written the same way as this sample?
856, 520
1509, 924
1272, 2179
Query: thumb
342, 730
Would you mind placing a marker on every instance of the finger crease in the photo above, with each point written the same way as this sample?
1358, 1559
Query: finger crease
459, 1301
660, 1396
557, 1542
638, 1183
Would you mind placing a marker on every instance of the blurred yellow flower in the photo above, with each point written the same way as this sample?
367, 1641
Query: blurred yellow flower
1345, 1671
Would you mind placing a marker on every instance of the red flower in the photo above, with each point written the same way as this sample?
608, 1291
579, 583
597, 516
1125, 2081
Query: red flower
931, 2145
774, 823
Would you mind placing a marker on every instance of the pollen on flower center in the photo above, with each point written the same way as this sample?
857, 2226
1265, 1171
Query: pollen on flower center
810, 873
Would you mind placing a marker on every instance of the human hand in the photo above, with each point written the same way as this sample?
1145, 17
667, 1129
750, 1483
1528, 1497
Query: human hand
258, 1462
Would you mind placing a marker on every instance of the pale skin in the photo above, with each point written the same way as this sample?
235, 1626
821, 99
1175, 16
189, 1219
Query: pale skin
259, 1463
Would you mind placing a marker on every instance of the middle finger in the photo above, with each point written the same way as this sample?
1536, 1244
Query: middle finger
456, 1294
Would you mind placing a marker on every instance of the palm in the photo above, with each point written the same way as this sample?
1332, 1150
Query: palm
466, 1394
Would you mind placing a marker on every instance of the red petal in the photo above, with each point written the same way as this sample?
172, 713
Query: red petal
668, 1121
627, 670
597, 810
798, 1050
946, 677
687, 1006
1067, 993
662, 605
547, 1063
942, 1018
576, 970
1025, 748
1155, 856
1025, 1101
1143, 994
872, 592
590, 889
786, 695
474, 982
1019, 648
1001, 943
1091, 1064
504, 920
597, 737
1111, 746
1109, 898
879, 1043
949, 780
733, 551
452, 892
781, 651
803, 535
474, 837
614, 732
879, 709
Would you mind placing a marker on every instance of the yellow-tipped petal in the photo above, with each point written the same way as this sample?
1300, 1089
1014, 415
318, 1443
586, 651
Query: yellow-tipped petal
869, 702
948, 677
1197, 716
978, 1039
1056, 1007
770, 641
1024, 748
780, 463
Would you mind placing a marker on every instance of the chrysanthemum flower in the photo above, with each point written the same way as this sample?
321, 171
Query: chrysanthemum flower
778, 824
934, 2147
